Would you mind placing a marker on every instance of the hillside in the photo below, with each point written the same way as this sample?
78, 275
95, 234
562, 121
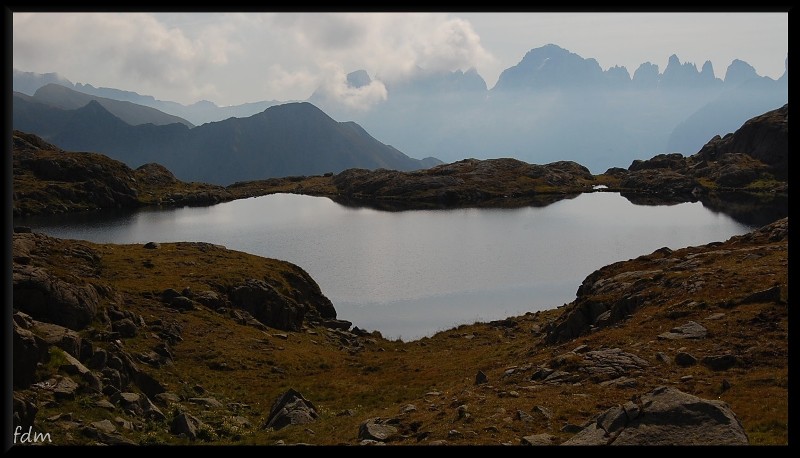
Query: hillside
191, 343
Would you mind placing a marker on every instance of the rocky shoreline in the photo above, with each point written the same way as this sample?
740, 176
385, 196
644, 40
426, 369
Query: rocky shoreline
753, 161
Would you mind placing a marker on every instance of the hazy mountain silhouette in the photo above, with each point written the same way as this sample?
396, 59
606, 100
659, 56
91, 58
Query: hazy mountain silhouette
556, 105
284, 140
197, 113
553, 105
65, 98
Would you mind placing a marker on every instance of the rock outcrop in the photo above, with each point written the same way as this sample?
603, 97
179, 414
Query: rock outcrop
664, 416
615, 292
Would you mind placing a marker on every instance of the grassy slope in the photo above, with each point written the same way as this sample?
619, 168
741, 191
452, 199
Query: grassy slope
437, 374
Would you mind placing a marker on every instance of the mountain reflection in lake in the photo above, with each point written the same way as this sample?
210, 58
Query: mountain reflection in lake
409, 274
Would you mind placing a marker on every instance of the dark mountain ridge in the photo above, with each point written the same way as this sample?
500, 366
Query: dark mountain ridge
289, 139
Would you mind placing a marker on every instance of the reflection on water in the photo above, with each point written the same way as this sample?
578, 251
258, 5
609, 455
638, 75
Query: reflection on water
409, 274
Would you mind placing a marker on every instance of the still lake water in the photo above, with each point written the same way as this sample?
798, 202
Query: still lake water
410, 274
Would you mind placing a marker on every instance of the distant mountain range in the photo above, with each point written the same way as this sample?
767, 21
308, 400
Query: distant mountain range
553, 105
283, 140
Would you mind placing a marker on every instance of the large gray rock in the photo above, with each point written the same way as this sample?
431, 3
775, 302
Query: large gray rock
664, 416
690, 330
376, 429
291, 408
74, 367
48, 298
187, 424
63, 338
611, 363
267, 305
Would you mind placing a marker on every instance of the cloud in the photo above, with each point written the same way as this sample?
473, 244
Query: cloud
391, 45
119, 49
243, 57
334, 87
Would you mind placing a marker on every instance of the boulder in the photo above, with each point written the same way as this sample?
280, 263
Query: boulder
187, 424
267, 305
684, 359
291, 408
63, 338
664, 416
74, 367
48, 298
376, 429
125, 327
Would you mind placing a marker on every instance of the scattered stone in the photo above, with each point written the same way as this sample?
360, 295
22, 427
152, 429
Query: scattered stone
409, 408
524, 416
542, 411
345, 413
690, 330
65, 388
187, 424
542, 373
610, 364
104, 426
182, 303
686, 378
513, 394
207, 402
570, 428
716, 316
621, 382
559, 377
104, 404
684, 359
664, 416
123, 423
454, 434
125, 327
662, 357
581, 349
538, 439
291, 408
481, 378
719, 362
152, 245
726, 385
376, 429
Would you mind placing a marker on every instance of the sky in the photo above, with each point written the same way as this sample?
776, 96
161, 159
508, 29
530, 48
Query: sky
233, 58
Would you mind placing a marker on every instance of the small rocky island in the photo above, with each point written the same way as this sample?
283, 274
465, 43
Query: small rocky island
193, 343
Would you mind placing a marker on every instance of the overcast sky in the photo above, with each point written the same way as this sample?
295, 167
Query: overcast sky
244, 57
